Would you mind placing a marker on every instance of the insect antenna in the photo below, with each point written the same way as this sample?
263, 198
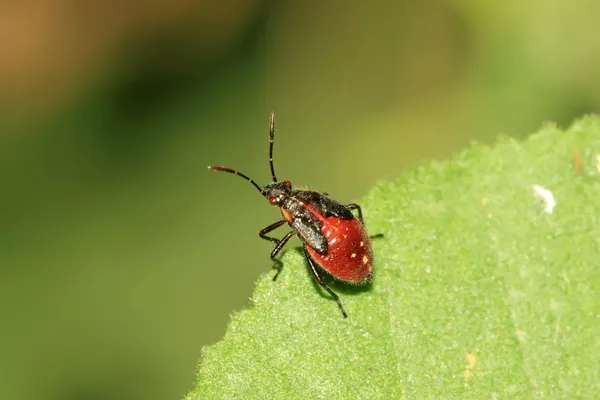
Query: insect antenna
271, 140
233, 171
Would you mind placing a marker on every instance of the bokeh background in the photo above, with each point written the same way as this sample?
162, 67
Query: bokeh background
121, 255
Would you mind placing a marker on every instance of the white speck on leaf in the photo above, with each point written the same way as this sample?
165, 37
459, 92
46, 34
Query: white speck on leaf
547, 197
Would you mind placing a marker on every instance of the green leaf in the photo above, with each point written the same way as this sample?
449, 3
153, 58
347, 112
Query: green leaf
478, 291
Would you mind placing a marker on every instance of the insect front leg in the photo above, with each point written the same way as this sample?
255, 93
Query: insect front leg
315, 273
276, 251
272, 227
354, 206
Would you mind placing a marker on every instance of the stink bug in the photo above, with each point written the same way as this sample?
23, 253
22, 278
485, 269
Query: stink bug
334, 239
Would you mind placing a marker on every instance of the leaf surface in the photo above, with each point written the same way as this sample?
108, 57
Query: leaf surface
478, 291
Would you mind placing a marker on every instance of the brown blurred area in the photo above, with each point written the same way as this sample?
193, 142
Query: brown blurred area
52, 50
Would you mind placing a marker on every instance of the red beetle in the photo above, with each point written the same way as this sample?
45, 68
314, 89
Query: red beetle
334, 239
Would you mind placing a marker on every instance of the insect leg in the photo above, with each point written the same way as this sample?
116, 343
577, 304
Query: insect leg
354, 206
315, 273
272, 227
276, 251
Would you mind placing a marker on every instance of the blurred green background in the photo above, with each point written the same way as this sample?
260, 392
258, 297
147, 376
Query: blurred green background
121, 255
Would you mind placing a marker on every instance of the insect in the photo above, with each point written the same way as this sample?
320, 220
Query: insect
334, 239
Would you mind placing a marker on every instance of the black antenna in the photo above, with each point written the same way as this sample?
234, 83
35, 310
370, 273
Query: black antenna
271, 139
233, 171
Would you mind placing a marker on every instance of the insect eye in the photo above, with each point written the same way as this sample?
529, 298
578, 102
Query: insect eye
274, 201
288, 183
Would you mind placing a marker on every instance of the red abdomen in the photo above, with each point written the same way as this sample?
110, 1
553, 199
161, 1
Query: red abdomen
349, 256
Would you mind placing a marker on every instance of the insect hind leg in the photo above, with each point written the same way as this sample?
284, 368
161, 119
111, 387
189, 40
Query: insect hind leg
320, 281
354, 206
